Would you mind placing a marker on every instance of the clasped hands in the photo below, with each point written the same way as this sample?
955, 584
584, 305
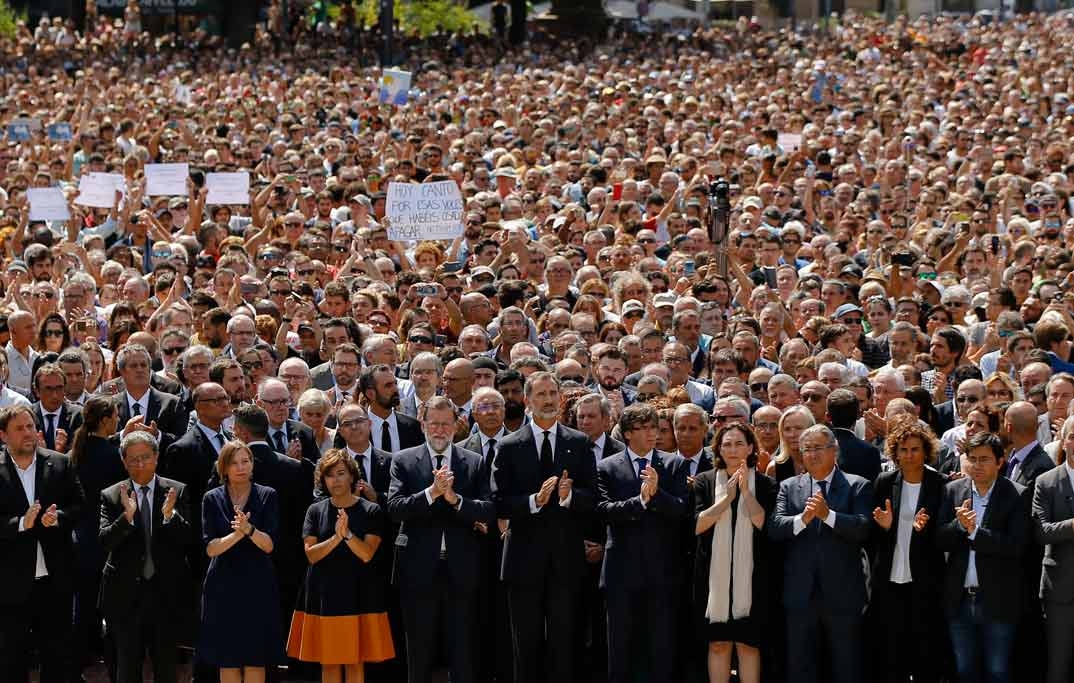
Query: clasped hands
443, 485
563, 483
815, 508
49, 519
241, 522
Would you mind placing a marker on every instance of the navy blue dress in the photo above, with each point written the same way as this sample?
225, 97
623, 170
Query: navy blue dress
240, 616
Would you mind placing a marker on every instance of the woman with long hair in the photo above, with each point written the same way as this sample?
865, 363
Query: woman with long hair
53, 334
732, 502
787, 462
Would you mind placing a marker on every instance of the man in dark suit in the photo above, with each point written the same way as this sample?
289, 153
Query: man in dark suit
145, 529
391, 430
856, 456
945, 416
494, 660
440, 495
141, 399
642, 496
41, 501
286, 436
544, 478
1053, 518
54, 416
1028, 460
823, 517
984, 529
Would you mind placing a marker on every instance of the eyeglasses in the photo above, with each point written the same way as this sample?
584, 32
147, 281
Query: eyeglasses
723, 418
253, 365
306, 272
352, 423
646, 240
280, 292
967, 399
815, 449
851, 321
766, 426
420, 340
219, 400
982, 460
173, 351
263, 257
572, 378
812, 398
45, 295
759, 387
53, 333
275, 403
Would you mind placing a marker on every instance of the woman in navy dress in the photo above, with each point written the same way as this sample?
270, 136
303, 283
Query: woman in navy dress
240, 620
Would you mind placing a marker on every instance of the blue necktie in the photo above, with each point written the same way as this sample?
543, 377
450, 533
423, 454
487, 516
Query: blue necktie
823, 484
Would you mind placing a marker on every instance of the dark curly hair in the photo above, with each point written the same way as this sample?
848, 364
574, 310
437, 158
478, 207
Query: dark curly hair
751, 439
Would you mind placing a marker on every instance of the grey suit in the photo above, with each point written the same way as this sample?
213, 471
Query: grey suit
321, 377
1053, 512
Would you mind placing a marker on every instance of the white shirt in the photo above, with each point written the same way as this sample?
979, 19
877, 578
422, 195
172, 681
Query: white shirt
799, 524
485, 440
538, 439
1017, 458
375, 422
29, 486
446, 455
904, 530
365, 458
692, 462
211, 435
10, 397
143, 404
20, 367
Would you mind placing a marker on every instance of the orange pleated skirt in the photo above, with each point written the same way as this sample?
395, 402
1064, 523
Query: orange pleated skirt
347, 639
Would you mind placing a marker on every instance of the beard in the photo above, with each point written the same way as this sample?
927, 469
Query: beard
610, 383
513, 410
388, 402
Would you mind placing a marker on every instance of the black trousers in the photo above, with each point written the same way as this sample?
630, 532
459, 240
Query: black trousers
148, 629
808, 628
591, 646
543, 629
440, 617
912, 626
42, 620
641, 633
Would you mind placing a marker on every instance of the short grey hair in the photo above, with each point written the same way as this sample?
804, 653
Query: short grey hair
900, 379
838, 367
372, 342
135, 438
487, 392
426, 356
268, 382
739, 405
196, 350
828, 434
687, 409
1058, 377
783, 379
129, 350
604, 403
660, 383
313, 398
296, 363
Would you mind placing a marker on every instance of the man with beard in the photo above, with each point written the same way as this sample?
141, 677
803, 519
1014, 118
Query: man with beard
513, 329
511, 386
439, 567
346, 361
610, 371
391, 430
946, 349
335, 333
544, 478
214, 329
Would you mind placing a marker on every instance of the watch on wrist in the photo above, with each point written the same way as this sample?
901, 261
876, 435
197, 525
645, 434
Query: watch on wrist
252, 530
348, 536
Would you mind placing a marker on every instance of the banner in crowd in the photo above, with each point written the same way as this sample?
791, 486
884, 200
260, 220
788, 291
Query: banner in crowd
228, 188
47, 204
394, 86
424, 211
166, 179
99, 189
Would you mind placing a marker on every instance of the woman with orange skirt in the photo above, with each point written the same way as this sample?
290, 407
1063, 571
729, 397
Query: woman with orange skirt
342, 619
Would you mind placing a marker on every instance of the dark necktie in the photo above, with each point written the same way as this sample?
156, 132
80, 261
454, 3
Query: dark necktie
278, 439
547, 461
439, 462
136, 409
362, 474
147, 531
491, 453
220, 439
385, 437
641, 463
50, 431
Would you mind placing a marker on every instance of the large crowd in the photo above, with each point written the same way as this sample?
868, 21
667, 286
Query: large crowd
610, 432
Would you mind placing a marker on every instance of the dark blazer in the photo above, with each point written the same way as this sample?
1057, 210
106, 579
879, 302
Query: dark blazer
310, 450
321, 377
55, 483
423, 525
191, 460
704, 495
857, 456
164, 409
642, 546
156, 381
926, 561
611, 447
821, 555
125, 544
1036, 463
1000, 543
1053, 509
945, 417
70, 420
550, 540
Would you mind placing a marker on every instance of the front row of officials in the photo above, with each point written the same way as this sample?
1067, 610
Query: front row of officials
545, 486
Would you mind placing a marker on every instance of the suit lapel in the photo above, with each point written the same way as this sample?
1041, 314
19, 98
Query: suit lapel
8, 472
426, 465
152, 408
459, 469
43, 463
837, 490
896, 495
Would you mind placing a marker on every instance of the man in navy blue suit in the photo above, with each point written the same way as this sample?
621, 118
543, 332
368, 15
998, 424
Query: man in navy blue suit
544, 478
823, 518
642, 496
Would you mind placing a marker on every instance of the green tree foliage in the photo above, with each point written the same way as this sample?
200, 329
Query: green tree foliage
9, 18
422, 16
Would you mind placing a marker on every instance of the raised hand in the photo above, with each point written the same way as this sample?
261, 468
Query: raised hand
565, 484
650, 479
168, 509
365, 490
821, 505
294, 449
61, 440
920, 520
130, 502
31, 515
883, 517
241, 522
967, 518
545, 493
341, 524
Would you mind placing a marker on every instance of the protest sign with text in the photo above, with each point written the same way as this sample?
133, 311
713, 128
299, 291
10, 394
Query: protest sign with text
425, 211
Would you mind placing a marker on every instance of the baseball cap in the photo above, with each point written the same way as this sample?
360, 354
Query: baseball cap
846, 308
633, 305
664, 299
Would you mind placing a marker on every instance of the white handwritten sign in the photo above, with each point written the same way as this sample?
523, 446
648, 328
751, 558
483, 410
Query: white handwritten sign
166, 179
228, 188
790, 142
99, 189
47, 204
426, 211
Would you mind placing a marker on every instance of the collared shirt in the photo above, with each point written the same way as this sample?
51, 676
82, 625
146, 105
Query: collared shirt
20, 368
212, 434
1018, 457
598, 447
632, 457
799, 523
143, 404
980, 504
375, 428
538, 438
81, 400
27, 477
10, 397
485, 440
365, 458
692, 462
464, 409
282, 431
1070, 473
446, 455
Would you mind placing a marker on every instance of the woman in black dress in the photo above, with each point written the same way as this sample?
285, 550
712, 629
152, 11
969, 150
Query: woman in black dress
732, 503
342, 616
240, 616
97, 461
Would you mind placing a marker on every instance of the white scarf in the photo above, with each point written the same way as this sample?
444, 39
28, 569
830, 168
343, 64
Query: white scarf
720, 566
